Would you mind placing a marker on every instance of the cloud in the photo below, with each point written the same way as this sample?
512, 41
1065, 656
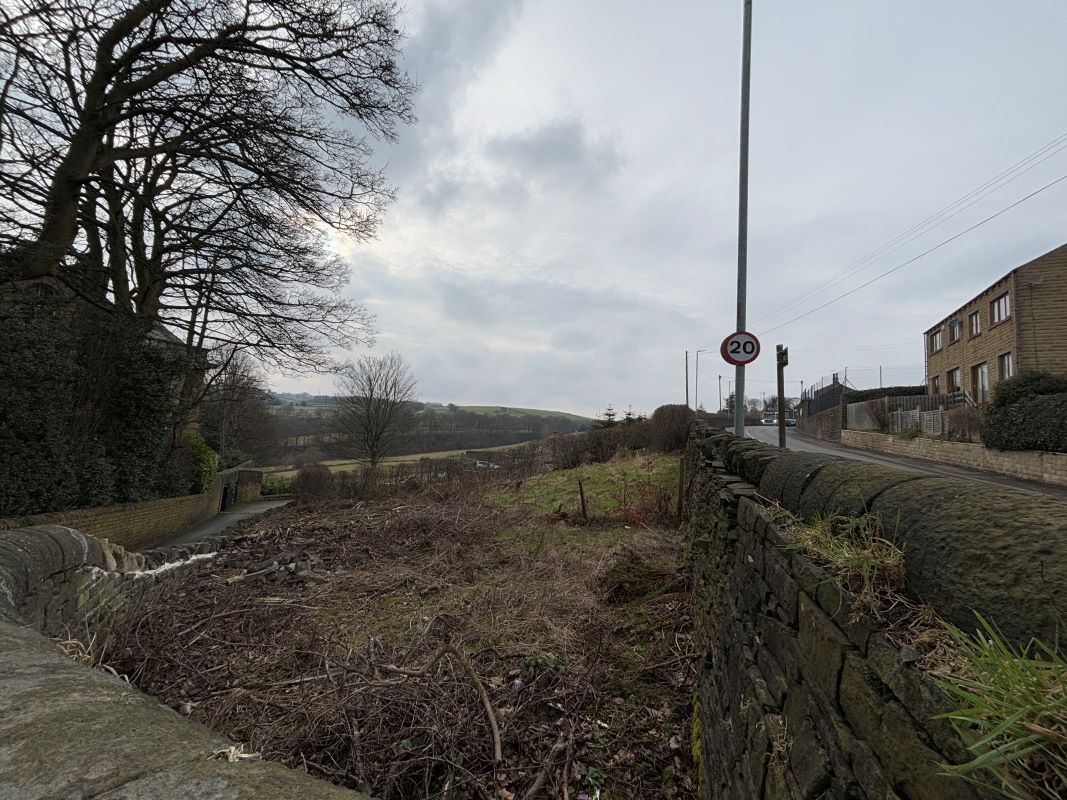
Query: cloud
566, 222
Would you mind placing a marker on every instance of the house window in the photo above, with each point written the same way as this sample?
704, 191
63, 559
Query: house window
955, 329
935, 341
1005, 367
980, 382
976, 323
935, 384
954, 384
1000, 308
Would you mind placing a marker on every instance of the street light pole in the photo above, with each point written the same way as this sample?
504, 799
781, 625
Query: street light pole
687, 379
742, 209
696, 387
720, 394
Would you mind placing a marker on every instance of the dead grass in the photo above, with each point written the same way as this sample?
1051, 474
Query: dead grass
409, 630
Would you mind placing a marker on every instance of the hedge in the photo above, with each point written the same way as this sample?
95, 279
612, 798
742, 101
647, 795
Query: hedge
859, 395
1038, 422
1025, 385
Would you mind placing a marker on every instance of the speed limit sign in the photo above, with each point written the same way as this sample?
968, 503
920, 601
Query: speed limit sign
740, 348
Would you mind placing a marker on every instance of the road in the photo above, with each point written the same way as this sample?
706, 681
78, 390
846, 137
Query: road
798, 442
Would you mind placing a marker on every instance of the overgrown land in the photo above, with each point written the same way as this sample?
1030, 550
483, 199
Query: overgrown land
477, 639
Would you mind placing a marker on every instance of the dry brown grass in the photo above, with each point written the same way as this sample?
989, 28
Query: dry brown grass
425, 622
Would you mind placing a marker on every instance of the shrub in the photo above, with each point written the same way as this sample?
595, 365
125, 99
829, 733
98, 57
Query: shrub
670, 427
964, 424
1038, 422
205, 463
276, 484
1030, 383
313, 483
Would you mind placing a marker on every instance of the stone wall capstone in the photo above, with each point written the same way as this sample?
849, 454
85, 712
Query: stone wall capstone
71, 731
799, 698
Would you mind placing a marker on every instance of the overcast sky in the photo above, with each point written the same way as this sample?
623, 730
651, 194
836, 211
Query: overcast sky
567, 212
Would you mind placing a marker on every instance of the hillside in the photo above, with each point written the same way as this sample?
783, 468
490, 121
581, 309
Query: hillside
523, 412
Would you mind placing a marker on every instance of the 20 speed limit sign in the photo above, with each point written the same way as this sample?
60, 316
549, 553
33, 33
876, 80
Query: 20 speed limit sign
740, 348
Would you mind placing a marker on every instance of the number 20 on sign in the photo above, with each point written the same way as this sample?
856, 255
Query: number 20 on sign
740, 348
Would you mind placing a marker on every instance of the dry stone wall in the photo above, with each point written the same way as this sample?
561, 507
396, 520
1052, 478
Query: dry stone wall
796, 697
70, 731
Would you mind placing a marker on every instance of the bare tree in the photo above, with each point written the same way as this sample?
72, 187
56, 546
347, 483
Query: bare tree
376, 406
91, 86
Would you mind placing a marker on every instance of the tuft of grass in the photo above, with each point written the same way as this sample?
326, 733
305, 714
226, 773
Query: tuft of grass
1015, 701
632, 487
854, 550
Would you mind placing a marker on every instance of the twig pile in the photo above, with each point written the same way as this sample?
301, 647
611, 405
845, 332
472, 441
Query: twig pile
407, 649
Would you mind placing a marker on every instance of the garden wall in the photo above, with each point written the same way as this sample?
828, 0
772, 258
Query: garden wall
1028, 465
73, 731
146, 524
824, 425
796, 697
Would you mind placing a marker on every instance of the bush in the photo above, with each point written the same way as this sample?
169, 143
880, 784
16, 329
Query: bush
964, 424
1038, 422
1030, 383
205, 463
670, 427
313, 483
276, 484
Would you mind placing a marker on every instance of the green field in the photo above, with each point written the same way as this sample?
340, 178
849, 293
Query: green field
346, 464
522, 412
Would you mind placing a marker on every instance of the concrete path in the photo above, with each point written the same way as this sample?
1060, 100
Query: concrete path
225, 519
799, 442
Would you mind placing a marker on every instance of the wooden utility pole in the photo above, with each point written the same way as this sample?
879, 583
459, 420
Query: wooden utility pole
783, 362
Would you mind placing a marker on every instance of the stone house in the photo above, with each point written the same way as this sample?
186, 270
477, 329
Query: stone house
1018, 323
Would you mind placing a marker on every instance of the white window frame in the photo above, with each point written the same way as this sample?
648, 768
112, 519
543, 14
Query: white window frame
1000, 309
1005, 359
935, 342
976, 323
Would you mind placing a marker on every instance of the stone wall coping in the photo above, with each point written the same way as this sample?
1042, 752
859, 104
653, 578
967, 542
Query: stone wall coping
969, 547
73, 731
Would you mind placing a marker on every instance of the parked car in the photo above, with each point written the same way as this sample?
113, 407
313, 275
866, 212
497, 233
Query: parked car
791, 422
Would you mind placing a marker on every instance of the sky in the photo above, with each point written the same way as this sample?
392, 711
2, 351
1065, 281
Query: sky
566, 221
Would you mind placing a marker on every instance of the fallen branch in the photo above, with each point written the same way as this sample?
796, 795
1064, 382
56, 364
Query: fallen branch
546, 768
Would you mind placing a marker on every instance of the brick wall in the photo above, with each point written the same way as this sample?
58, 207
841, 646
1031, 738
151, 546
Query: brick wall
145, 524
825, 425
798, 698
1028, 465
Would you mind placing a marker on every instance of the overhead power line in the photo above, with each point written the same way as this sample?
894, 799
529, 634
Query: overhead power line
950, 211
913, 259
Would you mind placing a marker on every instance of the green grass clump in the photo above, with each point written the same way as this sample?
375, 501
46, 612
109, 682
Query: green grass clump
1016, 702
610, 488
854, 550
